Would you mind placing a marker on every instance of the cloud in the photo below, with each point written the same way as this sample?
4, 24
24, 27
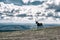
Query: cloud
45, 9
57, 2
54, 4
25, 1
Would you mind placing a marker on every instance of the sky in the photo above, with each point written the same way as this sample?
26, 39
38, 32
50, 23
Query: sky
44, 5
23, 2
47, 8
53, 4
30, 2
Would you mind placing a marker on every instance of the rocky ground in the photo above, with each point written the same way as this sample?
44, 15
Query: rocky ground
40, 34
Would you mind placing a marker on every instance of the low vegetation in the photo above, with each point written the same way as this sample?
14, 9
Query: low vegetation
52, 33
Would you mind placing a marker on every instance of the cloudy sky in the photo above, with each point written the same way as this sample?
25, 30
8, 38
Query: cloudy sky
22, 2
52, 4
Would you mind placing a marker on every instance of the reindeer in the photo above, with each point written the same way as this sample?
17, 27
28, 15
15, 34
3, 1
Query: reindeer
39, 24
